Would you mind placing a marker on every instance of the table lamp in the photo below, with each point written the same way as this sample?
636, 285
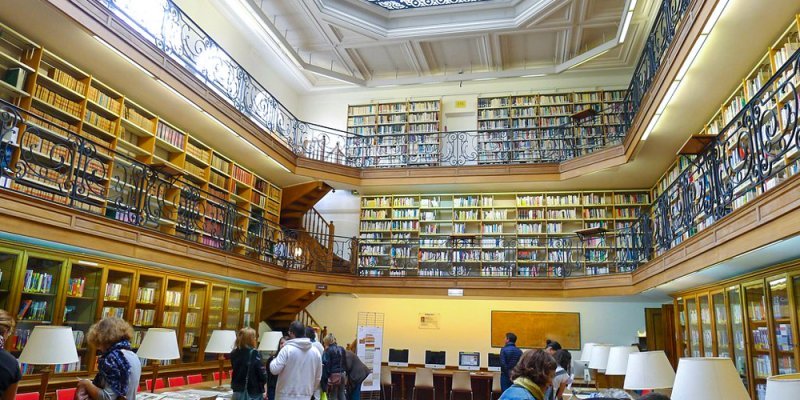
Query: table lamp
158, 344
618, 364
49, 345
270, 341
585, 355
648, 370
597, 362
708, 378
780, 387
221, 342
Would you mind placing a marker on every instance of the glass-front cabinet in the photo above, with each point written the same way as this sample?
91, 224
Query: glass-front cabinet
758, 334
693, 327
721, 332
193, 330
10, 260
705, 326
737, 331
782, 334
80, 307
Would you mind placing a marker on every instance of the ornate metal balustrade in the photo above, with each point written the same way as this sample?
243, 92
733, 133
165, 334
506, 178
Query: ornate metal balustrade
162, 23
756, 150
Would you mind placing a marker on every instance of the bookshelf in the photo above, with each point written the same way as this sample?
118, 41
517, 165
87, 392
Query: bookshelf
146, 304
82, 292
233, 311
523, 128
66, 98
395, 134
193, 327
755, 318
10, 260
490, 234
249, 316
216, 310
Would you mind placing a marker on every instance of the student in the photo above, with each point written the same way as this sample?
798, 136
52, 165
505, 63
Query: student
298, 366
357, 372
272, 379
509, 356
249, 376
552, 347
533, 373
118, 368
10, 374
333, 369
563, 376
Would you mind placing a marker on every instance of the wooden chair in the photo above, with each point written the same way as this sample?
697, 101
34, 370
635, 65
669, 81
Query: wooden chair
192, 379
65, 394
497, 389
386, 380
423, 379
148, 384
176, 381
27, 396
462, 383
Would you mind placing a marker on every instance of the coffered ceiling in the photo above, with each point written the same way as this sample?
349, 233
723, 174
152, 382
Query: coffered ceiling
361, 43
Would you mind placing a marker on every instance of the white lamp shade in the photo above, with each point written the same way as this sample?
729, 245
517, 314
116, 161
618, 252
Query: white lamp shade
159, 344
586, 353
50, 345
618, 359
599, 358
270, 341
648, 370
708, 378
221, 342
781, 387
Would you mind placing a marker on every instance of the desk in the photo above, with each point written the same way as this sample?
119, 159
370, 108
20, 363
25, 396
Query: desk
403, 378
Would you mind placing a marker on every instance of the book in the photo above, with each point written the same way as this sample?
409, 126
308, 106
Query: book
15, 77
23, 308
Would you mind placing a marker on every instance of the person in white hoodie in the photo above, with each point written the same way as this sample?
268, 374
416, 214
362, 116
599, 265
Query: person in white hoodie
312, 335
298, 366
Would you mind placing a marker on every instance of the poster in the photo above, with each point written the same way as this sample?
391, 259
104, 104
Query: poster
428, 321
368, 349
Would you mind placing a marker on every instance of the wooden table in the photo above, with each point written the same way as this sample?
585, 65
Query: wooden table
403, 378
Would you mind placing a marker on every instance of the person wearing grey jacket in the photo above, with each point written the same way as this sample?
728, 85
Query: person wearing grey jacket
357, 372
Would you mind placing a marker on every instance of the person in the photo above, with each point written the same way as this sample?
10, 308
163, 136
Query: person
10, 373
249, 376
654, 396
532, 374
563, 375
298, 366
333, 373
118, 368
272, 379
311, 334
509, 356
552, 347
356, 372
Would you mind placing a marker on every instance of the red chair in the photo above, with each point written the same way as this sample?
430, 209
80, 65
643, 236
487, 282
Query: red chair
176, 381
27, 396
65, 394
149, 384
193, 379
216, 376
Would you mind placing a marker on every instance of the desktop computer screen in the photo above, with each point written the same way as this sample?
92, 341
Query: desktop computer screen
494, 362
434, 359
470, 361
398, 357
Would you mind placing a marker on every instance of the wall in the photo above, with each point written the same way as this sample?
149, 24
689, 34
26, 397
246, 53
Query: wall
342, 208
465, 322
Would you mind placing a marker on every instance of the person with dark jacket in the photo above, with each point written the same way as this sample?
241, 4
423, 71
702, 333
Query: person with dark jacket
272, 379
357, 372
333, 371
248, 369
509, 356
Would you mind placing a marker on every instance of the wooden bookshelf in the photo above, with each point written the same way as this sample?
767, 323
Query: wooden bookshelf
490, 234
67, 98
77, 292
395, 134
752, 319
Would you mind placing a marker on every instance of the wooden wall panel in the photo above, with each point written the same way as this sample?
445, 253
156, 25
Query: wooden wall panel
533, 328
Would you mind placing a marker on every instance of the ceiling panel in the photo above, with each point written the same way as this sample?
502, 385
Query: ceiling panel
530, 49
456, 54
385, 61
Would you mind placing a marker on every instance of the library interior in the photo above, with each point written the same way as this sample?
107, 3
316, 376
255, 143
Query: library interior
613, 179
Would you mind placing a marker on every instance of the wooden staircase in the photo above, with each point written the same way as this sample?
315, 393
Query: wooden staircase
280, 307
298, 200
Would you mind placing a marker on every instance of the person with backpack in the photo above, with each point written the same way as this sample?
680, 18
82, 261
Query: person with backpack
333, 369
563, 376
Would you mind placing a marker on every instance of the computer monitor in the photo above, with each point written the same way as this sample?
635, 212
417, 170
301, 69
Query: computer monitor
398, 357
494, 362
470, 361
434, 359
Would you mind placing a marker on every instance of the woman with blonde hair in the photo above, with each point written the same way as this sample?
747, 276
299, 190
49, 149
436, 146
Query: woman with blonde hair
333, 369
118, 368
9, 367
249, 376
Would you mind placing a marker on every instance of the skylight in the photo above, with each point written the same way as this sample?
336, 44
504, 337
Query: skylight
409, 4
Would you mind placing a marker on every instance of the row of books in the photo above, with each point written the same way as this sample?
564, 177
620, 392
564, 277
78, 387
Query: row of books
241, 175
173, 298
199, 153
146, 295
171, 319
104, 100
220, 163
66, 80
136, 118
143, 317
218, 179
56, 100
76, 286
37, 282
118, 312
171, 135
33, 310
100, 122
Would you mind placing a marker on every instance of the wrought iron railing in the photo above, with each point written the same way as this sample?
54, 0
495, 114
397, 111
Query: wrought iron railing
163, 24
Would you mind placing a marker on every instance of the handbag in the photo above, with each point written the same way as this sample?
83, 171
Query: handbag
335, 379
245, 395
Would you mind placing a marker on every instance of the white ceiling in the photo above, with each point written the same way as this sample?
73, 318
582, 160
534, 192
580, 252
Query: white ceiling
359, 42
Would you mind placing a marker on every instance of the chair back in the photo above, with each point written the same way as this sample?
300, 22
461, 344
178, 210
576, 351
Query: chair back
216, 376
423, 378
192, 379
386, 376
496, 388
65, 394
27, 396
176, 381
462, 381
149, 384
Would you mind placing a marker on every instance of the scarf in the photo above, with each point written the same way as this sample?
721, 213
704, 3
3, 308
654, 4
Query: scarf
113, 368
530, 386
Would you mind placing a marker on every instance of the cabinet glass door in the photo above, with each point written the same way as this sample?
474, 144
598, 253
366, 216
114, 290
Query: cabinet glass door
694, 331
760, 349
683, 343
9, 264
737, 332
174, 296
233, 311
782, 326
193, 329
721, 325
705, 321
148, 295
250, 307
80, 307
215, 308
